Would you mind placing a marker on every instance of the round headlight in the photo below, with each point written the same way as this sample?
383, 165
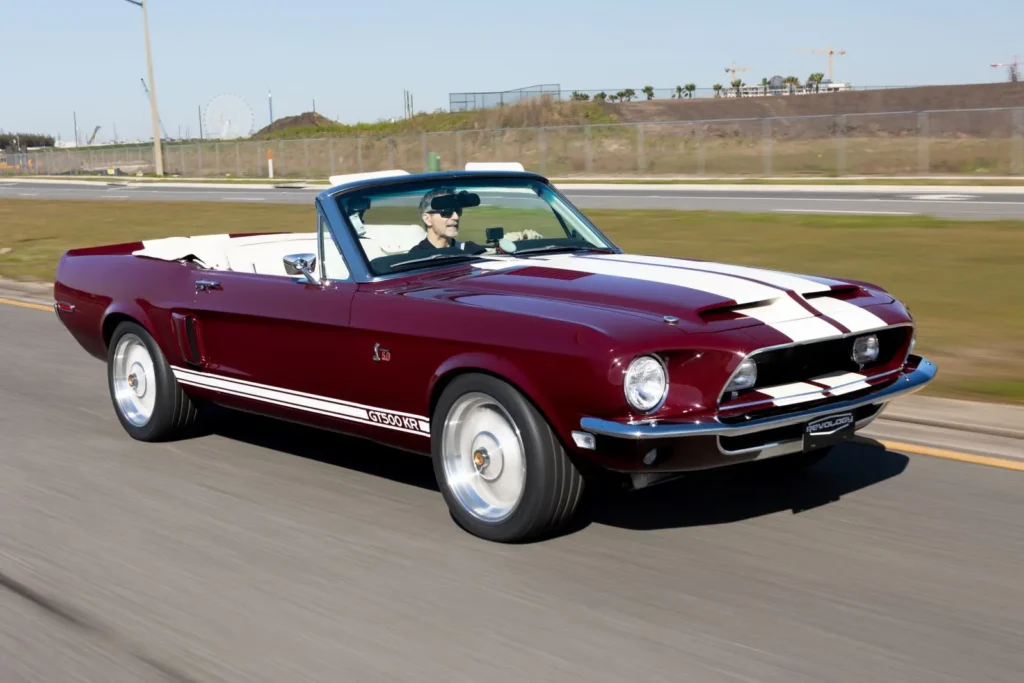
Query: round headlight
865, 349
646, 383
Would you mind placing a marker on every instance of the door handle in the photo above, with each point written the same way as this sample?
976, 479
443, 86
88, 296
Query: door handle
202, 285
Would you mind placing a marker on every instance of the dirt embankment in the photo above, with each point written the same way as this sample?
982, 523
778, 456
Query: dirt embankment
929, 98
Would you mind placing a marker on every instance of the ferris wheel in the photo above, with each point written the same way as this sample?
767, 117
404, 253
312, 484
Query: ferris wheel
227, 117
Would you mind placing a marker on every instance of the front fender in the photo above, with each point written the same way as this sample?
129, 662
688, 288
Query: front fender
498, 366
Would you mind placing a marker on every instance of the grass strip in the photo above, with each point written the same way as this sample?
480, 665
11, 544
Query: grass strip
960, 278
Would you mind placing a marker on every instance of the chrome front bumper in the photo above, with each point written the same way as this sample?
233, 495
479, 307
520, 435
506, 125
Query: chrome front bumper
906, 384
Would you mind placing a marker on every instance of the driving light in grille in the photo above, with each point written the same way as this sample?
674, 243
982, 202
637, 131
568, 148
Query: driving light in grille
865, 349
646, 383
745, 376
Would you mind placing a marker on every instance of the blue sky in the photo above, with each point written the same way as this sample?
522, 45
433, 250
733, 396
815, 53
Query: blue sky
355, 58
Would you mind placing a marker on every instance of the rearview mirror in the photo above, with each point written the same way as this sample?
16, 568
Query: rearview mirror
301, 264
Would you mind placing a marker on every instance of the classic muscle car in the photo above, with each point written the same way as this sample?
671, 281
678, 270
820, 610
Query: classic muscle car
479, 318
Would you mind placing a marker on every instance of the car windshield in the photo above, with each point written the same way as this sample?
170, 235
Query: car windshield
423, 225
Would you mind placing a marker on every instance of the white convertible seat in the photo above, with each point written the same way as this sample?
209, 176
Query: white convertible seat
253, 254
385, 240
265, 253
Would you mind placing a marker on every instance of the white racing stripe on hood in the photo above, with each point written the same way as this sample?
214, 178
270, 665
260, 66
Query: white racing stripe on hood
740, 291
791, 319
770, 277
851, 316
784, 315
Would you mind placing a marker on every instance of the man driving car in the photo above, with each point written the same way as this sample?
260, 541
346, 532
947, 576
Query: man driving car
442, 225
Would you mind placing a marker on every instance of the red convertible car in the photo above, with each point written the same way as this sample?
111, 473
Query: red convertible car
477, 317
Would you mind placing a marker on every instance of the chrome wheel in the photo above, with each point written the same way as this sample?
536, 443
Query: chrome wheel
483, 457
134, 380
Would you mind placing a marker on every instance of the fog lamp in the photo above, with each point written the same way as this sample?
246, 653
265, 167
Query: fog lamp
865, 349
745, 376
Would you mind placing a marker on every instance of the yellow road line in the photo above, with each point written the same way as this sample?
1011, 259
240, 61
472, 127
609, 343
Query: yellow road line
954, 455
25, 304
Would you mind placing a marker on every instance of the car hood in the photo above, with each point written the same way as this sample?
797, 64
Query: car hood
704, 296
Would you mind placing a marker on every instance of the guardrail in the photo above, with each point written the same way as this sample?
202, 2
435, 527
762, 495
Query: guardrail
958, 141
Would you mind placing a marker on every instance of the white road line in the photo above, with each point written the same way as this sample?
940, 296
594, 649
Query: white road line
28, 194
849, 211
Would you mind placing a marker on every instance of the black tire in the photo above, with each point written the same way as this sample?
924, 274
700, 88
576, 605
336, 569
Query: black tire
553, 487
173, 413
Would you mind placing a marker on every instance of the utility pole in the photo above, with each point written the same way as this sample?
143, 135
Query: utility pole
158, 155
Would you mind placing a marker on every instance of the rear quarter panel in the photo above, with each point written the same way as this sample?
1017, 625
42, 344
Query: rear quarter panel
106, 284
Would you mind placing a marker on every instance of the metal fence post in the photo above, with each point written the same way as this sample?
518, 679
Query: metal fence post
589, 160
766, 145
841, 145
423, 144
702, 162
640, 161
199, 154
458, 149
216, 156
359, 152
305, 151
922, 143
542, 140
1017, 144
330, 151
238, 159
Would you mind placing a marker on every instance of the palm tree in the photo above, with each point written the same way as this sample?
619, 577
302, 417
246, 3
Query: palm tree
690, 87
678, 92
738, 83
717, 87
649, 91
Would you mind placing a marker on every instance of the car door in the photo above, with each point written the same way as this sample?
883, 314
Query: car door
265, 340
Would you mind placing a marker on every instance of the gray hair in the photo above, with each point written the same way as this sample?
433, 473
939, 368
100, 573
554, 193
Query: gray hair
428, 197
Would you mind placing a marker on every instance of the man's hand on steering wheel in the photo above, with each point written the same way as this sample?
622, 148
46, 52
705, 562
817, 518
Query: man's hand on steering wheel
524, 235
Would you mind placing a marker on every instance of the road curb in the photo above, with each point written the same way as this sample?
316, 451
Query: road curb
957, 426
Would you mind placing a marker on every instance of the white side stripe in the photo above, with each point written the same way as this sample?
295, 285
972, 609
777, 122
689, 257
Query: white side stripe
403, 422
848, 315
178, 370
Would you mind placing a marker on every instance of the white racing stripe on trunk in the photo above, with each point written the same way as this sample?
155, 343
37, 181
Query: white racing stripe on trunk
770, 277
740, 291
854, 317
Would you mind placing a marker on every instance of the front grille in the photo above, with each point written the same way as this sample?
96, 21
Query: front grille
814, 359
787, 433
769, 410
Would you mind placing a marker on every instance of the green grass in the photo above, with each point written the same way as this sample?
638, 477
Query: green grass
961, 279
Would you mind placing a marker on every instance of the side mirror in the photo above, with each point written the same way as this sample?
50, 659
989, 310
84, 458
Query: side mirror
301, 264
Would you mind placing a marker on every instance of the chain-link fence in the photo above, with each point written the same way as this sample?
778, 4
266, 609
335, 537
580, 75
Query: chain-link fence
977, 141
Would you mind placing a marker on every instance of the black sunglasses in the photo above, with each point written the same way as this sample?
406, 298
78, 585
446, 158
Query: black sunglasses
446, 213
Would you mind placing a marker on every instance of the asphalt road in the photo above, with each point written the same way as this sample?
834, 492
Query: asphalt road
261, 551
926, 201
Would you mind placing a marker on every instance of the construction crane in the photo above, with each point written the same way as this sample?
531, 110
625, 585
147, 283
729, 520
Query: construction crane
1014, 68
733, 69
93, 136
831, 54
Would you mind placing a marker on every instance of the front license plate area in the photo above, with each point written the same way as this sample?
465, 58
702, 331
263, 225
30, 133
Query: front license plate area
828, 431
